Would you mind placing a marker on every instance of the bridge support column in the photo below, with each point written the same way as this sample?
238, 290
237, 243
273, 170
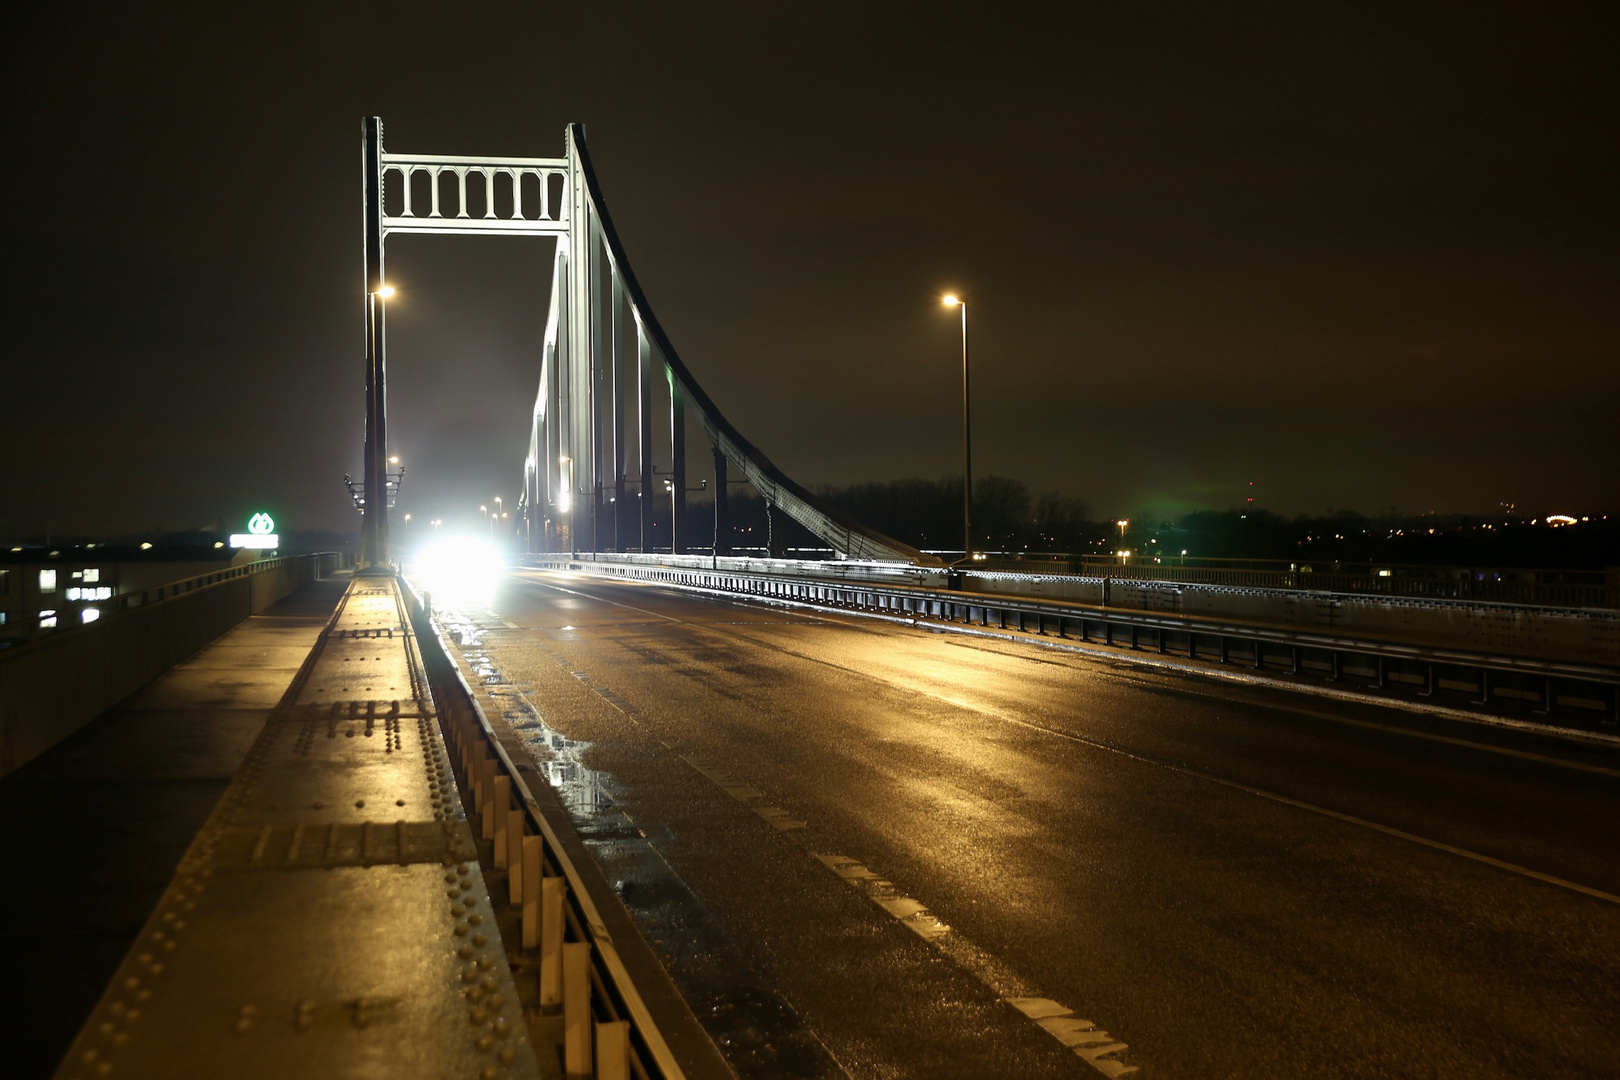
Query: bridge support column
722, 508
617, 359
374, 523
775, 532
677, 466
644, 436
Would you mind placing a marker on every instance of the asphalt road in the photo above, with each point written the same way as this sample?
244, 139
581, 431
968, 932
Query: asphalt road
879, 850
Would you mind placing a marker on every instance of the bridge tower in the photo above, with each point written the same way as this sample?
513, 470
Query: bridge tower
577, 476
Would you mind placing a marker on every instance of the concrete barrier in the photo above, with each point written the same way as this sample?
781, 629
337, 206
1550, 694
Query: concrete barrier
55, 685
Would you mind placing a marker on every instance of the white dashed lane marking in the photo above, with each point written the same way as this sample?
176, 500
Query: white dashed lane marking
1089, 1042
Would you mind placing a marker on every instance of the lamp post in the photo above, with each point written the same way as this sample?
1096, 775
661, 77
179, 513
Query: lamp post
967, 438
498, 513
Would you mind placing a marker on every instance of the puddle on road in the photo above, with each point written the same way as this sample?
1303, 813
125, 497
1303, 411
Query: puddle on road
758, 1032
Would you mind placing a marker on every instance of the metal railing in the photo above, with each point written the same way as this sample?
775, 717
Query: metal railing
1590, 690
1553, 588
57, 681
608, 1031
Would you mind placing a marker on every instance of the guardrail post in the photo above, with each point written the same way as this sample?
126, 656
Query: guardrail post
1430, 683
514, 854
1259, 654
1296, 660
498, 797
551, 943
1335, 666
533, 868
613, 1050
1158, 639
1382, 668
576, 965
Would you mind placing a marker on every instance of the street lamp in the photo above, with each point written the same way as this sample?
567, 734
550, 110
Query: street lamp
436, 523
967, 438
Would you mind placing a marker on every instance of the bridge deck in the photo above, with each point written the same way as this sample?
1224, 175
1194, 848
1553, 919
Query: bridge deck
331, 917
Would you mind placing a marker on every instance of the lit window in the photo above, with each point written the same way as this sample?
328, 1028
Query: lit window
103, 592
47, 581
47, 618
92, 574
90, 614
73, 592
77, 574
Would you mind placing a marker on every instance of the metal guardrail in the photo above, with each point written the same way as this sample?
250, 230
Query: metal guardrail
1561, 588
608, 1031
1592, 690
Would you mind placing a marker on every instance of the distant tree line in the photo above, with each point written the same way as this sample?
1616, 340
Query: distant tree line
1008, 517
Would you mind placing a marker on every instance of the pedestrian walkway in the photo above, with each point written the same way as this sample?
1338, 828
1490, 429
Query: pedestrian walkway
99, 822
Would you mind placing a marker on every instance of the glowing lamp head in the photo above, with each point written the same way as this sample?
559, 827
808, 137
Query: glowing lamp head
950, 301
386, 291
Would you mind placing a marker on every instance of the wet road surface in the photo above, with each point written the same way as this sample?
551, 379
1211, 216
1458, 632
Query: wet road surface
879, 850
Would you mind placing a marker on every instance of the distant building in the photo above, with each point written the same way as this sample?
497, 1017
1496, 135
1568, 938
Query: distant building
44, 589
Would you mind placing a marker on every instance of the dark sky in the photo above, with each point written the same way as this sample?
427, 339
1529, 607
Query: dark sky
1362, 255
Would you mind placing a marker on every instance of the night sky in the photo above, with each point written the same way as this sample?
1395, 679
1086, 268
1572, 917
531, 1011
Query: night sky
1360, 255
